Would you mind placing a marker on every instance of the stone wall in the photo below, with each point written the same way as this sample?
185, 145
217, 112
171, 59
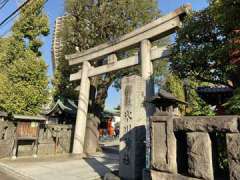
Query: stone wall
184, 147
7, 134
53, 139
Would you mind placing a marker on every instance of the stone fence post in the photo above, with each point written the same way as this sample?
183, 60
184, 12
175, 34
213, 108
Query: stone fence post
163, 143
233, 148
199, 155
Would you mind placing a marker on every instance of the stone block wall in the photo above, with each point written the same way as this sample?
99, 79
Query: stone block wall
170, 158
53, 139
7, 134
233, 147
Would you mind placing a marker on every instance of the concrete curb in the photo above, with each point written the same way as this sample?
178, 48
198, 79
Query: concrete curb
13, 173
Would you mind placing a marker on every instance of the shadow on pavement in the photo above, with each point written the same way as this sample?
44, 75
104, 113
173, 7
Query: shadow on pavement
108, 162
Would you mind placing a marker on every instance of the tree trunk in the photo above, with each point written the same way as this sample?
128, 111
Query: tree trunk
98, 94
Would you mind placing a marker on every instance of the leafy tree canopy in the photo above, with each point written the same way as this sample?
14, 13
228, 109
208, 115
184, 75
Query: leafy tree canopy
187, 92
226, 13
205, 43
201, 50
32, 23
90, 23
23, 76
233, 105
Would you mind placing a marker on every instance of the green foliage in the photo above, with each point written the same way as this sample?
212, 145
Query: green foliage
196, 106
31, 24
226, 13
160, 71
175, 86
90, 23
201, 50
204, 44
233, 104
23, 74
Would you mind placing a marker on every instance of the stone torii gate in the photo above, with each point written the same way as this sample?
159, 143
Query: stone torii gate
142, 38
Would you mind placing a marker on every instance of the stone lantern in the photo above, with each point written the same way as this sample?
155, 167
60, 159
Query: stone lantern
166, 102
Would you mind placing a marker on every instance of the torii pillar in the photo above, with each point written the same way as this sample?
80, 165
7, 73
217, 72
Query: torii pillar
81, 121
147, 72
135, 112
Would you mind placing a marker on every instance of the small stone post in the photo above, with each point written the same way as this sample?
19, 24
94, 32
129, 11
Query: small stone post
200, 155
14, 152
163, 143
233, 148
80, 127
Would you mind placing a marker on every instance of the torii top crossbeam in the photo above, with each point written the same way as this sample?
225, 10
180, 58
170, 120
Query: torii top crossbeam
154, 30
142, 38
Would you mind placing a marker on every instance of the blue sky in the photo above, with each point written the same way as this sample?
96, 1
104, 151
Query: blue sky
55, 8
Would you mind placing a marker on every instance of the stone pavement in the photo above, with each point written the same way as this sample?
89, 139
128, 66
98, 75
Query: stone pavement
62, 167
4, 176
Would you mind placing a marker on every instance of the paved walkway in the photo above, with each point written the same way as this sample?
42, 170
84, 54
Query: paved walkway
62, 168
4, 176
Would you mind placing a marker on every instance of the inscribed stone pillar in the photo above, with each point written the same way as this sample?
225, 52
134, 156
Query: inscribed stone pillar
233, 148
200, 155
80, 127
132, 127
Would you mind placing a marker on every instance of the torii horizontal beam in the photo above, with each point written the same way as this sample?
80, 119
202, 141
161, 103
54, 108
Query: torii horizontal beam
156, 53
154, 30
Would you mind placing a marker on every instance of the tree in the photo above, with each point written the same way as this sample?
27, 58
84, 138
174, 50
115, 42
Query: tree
201, 51
24, 84
208, 44
32, 23
226, 13
233, 104
187, 92
196, 106
90, 23
205, 43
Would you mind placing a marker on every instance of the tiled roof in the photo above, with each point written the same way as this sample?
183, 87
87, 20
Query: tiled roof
207, 89
24, 117
166, 96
